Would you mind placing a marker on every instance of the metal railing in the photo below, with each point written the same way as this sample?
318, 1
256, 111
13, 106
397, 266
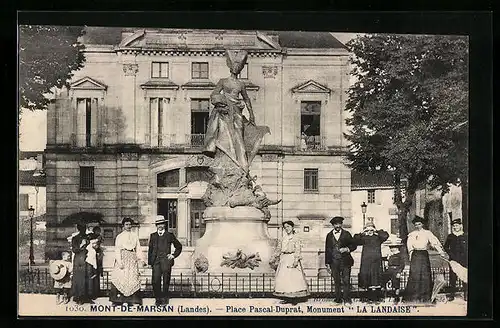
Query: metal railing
216, 285
308, 143
196, 140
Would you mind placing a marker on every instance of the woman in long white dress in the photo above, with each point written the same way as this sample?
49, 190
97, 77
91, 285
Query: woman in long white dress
290, 281
125, 277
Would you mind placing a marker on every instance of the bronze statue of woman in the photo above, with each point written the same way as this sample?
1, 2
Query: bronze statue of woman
232, 140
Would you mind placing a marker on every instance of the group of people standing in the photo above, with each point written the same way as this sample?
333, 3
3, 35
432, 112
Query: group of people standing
81, 274
291, 284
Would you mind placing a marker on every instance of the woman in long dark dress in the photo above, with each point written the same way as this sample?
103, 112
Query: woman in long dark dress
82, 288
370, 274
420, 284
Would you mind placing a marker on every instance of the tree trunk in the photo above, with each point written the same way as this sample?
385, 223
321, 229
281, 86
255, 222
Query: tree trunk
403, 210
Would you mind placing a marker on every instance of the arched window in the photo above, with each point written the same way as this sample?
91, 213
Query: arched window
168, 178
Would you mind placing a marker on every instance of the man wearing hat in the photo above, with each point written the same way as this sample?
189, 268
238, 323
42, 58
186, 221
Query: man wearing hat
456, 246
338, 247
161, 259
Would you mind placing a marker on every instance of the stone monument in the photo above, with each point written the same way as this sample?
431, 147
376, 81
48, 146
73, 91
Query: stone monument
236, 238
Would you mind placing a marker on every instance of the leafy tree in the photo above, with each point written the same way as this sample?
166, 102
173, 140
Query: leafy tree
409, 112
48, 55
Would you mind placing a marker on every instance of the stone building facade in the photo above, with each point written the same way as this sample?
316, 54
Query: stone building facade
125, 139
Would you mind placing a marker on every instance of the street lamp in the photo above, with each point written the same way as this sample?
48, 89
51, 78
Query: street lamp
363, 209
31, 211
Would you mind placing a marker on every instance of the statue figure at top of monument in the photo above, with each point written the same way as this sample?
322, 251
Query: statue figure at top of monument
232, 141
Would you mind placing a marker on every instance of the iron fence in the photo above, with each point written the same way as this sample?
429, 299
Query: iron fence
218, 285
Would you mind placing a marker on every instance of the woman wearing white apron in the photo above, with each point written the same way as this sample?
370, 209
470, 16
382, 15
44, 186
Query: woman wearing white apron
125, 277
290, 282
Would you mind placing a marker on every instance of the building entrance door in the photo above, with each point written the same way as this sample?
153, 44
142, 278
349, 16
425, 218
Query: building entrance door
197, 224
168, 208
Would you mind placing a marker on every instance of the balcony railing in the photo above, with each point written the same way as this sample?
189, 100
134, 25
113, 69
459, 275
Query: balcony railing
196, 140
308, 143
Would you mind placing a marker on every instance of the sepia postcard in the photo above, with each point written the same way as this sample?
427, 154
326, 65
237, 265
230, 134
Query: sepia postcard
206, 172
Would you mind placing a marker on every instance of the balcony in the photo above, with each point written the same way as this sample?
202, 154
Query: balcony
311, 143
196, 140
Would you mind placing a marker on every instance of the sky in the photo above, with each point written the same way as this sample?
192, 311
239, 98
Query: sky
33, 127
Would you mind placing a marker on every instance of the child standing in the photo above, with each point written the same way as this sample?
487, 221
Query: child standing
61, 271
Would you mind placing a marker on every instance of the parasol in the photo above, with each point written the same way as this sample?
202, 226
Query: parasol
439, 281
83, 218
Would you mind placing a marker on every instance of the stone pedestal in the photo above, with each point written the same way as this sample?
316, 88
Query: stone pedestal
227, 231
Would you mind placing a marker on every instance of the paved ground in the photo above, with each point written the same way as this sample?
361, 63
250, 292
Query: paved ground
45, 305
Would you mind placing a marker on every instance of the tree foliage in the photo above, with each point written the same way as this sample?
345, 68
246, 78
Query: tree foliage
48, 56
409, 111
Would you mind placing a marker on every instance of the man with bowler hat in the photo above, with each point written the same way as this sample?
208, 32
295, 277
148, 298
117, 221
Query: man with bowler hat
338, 247
456, 247
161, 259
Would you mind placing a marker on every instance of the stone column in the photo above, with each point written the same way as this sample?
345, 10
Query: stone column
128, 103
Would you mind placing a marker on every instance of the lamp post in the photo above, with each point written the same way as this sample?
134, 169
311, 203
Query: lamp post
31, 211
363, 209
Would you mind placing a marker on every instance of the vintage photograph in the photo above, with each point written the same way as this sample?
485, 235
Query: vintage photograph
200, 172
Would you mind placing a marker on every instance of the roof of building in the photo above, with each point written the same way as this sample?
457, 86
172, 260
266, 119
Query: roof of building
27, 178
295, 39
288, 39
371, 180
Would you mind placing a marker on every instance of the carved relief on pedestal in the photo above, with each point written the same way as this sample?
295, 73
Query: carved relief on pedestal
130, 69
269, 72
241, 260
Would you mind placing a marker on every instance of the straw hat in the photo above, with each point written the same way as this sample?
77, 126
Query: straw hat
160, 219
57, 269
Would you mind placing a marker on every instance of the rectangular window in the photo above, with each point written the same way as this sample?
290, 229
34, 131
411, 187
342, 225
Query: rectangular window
168, 179
159, 70
86, 178
24, 202
199, 120
310, 179
84, 107
244, 73
199, 70
310, 123
371, 196
157, 109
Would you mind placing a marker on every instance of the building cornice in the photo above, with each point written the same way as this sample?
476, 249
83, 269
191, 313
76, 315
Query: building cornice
180, 150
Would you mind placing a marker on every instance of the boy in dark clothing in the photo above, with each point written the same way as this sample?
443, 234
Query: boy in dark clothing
395, 268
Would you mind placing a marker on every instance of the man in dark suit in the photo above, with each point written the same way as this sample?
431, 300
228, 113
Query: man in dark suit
161, 259
338, 247
456, 247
